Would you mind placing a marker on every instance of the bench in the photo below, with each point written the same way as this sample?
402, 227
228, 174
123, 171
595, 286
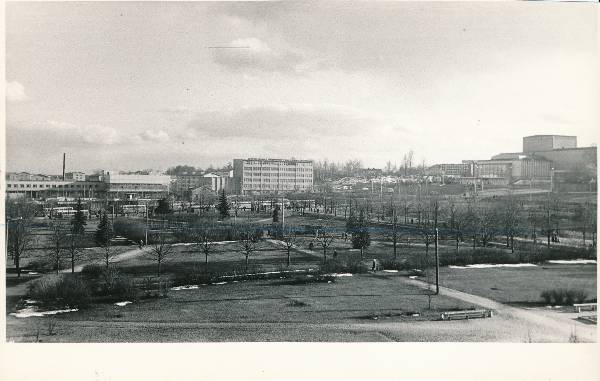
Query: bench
585, 307
466, 314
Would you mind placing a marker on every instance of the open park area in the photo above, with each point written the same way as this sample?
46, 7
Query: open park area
247, 291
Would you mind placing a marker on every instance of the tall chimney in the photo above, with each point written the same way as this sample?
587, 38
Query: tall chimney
64, 158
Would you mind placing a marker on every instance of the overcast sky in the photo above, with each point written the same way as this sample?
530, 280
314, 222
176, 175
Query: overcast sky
152, 85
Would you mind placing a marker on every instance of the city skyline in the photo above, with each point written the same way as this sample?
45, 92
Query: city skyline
203, 83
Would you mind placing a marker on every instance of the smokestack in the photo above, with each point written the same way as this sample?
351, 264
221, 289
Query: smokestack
64, 158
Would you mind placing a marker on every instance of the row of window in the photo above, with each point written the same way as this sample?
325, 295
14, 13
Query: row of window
283, 175
47, 186
278, 169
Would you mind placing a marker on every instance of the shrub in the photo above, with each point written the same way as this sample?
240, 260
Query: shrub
308, 279
130, 229
92, 271
115, 285
563, 297
546, 295
391, 264
580, 295
64, 290
352, 264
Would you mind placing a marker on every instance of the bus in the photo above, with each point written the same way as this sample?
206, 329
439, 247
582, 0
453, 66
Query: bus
63, 212
134, 210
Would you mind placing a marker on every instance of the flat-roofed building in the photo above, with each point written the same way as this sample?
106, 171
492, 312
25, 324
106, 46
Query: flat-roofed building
75, 176
265, 176
451, 169
537, 143
134, 186
54, 188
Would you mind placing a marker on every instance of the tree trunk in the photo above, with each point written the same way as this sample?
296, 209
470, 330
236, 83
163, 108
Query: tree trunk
512, 243
361, 252
18, 265
246, 270
158, 269
324, 254
395, 244
457, 243
288, 257
584, 237
73, 263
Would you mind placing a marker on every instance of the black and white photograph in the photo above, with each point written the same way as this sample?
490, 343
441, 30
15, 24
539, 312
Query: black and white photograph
317, 172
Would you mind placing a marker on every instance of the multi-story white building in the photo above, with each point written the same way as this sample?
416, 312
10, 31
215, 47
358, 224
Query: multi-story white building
264, 176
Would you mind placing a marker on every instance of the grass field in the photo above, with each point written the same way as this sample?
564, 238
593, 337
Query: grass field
520, 285
357, 299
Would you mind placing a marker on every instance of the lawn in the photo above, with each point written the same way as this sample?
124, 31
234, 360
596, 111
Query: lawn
358, 299
520, 285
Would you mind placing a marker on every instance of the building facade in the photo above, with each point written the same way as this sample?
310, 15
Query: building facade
537, 143
75, 176
37, 189
452, 169
264, 176
136, 186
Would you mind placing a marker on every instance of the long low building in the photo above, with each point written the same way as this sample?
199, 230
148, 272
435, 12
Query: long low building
134, 186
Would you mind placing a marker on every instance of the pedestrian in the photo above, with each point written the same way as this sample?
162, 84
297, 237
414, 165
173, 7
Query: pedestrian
310, 246
141, 244
334, 254
374, 264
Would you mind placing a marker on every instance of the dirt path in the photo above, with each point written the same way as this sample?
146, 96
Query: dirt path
548, 324
115, 259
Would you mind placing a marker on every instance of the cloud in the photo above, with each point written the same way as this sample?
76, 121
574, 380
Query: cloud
154, 136
276, 122
81, 135
15, 92
254, 54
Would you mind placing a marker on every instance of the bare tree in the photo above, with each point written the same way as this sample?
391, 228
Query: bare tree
325, 239
394, 233
289, 238
19, 241
203, 241
58, 240
73, 248
510, 218
248, 244
550, 208
471, 218
160, 250
457, 220
488, 222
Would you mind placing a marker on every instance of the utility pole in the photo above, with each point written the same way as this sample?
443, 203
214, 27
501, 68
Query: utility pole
146, 233
437, 257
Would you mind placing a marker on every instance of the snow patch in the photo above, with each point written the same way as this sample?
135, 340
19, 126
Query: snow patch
32, 273
390, 271
121, 304
340, 274
32, 311
487, 266
220, 283
31, 301
573, 262
413, 277
186, 287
